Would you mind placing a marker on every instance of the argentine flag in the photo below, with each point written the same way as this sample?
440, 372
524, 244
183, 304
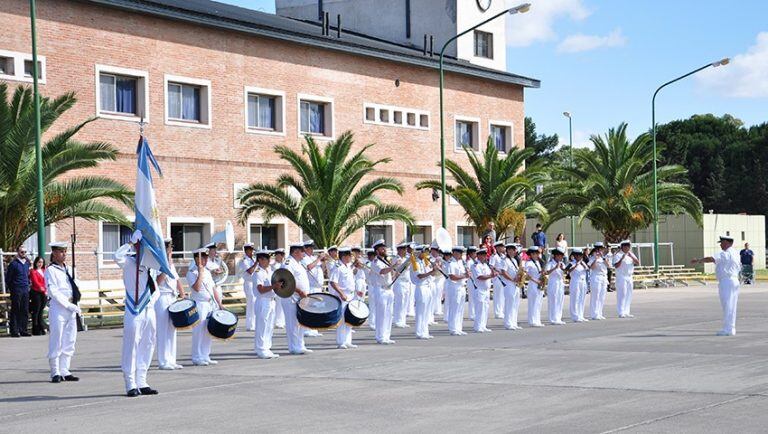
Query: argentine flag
147, 216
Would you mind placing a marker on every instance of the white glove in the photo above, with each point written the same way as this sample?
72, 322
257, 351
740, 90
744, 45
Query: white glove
74, 308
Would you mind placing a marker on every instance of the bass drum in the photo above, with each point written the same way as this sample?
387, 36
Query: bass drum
356, 313
319, 311
222, 324
184, 314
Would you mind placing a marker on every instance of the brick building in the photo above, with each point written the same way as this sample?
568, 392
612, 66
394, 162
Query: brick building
219, 86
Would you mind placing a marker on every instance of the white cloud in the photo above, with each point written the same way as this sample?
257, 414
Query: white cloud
538, 24
745, 77
580, 42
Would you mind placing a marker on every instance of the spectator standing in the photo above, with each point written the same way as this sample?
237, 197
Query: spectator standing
747, 264
37, 296
540, 240
17, 282
490, 231
561, 243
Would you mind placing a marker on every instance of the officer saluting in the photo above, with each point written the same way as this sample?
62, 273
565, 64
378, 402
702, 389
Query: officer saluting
727, 267
62, 314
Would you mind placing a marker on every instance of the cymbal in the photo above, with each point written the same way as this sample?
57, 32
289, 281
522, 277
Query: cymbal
286, 278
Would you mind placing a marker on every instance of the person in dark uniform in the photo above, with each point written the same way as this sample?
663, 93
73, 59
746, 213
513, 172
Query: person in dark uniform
17, 282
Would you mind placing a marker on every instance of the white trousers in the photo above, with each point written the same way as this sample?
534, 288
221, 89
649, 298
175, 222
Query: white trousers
422, 296
482, 298
411, 299
402, 291
454, 297
498, 298
729, 297
578, 295
343, 330
623, 294
264, 312
471, 301
250, 305
511, 305
61, 342
448, 292
201, 339
597, 289
293, 331
372, 307
138, 345
555, 300
279, 315
385, 301
438, 297
535, 300
166, 332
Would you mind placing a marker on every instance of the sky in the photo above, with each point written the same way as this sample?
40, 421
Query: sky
601, 60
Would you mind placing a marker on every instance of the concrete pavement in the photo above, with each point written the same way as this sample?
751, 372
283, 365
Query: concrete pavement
663, 371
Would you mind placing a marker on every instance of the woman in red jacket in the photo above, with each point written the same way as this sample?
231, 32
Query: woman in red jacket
37, 296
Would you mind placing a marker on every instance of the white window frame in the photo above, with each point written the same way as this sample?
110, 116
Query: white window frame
18, 67
491, 48
105, 264
377, 108
510, 136
426, 223
205, 103
389, 223
465, 224
280, 221
192, 220
279, 111
330, 133
476, 133
142, 93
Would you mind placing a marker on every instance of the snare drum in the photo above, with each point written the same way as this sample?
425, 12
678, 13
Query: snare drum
184, 314
356, 313
222, 324
319, 311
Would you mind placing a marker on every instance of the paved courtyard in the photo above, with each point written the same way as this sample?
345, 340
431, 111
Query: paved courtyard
663, 371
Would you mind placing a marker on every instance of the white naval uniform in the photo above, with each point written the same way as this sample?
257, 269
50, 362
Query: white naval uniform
139, 328
402, 290
344, 278
727, 269
212, 265
438, 287
455, 293
496, 262
242, 272
62, 319
535, 296
279, 314
555, 292
482, 295
624, 282
371, 295
511, 294
293, 330
470, 289
598, 285
264, 312
578, 290
385, 299
422, 289
411, 302
166, 332
201, 340
315, 275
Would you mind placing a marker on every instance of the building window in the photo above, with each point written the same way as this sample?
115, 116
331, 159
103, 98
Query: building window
370, 114
483, 44
411, 119
112, 237
17, 66
398, 117
187, 237
395, 116
501, 136
29, 69
118, 94
187, 101
316, 116
467, 133
6, 65
466, 236
261, 112
374, 233
424, 121
384, 116
418, 234
265, 236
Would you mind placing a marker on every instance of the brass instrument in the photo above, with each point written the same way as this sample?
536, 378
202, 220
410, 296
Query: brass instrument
401, 270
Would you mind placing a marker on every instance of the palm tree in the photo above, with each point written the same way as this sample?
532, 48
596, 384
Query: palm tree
324, 197
76, 196
500, 190
612, 187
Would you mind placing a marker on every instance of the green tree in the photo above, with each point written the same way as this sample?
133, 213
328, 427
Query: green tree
612, 187
324, 197
79, 196
543, 146
498, 190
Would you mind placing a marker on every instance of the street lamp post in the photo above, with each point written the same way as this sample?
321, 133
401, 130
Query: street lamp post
570, 150
722, 62
38, 150
517, 9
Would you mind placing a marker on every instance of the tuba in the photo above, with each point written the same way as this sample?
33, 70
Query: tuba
226, 237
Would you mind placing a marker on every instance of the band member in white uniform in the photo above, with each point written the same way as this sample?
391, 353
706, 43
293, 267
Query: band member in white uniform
139, 321
170, 289
342, 281
483, 276
471, 259
314, 267
203, 292
379, 283
214, 266
598, 281
577, 270
496, 262
535, 295
332, 260
411, 303
438, 283
401, 287
421, 272
279, 314
62, 314
264, 306
727, 268
511, 290
555, 269
293, 329
245, 269
624, 262
366, 267
456, 292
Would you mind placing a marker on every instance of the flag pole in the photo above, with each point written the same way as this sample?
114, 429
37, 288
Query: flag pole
138, 245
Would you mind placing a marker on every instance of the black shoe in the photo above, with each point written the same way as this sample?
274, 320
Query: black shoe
15, 335
57, 379
25, 334
148, 391
133, 393
42, 332
71, 377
